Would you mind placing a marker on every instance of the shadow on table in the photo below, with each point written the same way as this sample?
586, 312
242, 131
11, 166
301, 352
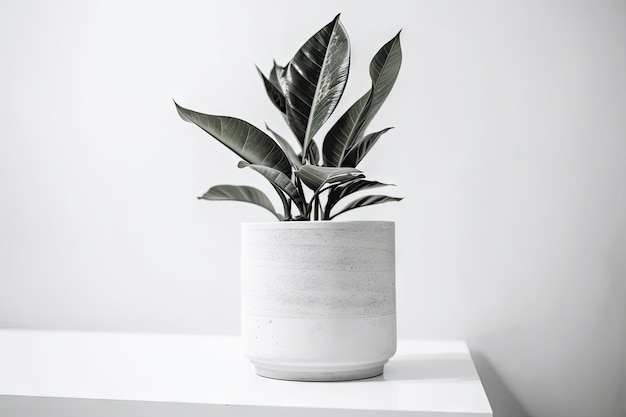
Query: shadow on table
442, 368
455, 367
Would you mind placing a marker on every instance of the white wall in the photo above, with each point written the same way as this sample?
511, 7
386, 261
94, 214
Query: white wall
510, 148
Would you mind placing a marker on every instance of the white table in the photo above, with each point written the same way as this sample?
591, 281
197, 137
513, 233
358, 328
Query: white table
109, 374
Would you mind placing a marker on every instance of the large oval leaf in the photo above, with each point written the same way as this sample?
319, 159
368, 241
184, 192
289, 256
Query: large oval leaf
337, 141
315, 177
351, 126
273, 92
361, 148
365, 201
314, 80
277, 74
247, 141
278, 179
241, 193
313, 154
384, 70
291, 154
344, 190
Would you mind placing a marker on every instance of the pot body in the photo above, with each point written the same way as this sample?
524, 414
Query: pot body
318, 299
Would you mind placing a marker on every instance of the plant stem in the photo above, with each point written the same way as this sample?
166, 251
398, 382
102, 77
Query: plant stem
286, 204
319, 208
316, 213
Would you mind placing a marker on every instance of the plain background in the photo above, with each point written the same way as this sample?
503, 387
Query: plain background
509, 147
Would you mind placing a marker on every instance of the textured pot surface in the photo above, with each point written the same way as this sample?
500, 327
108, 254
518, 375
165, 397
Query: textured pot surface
318, 298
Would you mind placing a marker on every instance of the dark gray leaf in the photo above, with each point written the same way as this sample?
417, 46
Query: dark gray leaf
313, 154
250, 143
366, 201
274, 92
351, 125
277, 74
361, 148
344, 190
291, 154
241, 193
278, 179
314, 80
315, 177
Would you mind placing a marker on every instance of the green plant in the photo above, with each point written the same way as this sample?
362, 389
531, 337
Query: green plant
306, 91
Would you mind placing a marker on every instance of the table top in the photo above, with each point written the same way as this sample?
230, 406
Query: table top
426, 377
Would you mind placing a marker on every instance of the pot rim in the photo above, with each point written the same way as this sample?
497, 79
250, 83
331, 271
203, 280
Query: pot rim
318, 224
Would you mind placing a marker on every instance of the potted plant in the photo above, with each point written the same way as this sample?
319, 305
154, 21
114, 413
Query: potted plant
318, 296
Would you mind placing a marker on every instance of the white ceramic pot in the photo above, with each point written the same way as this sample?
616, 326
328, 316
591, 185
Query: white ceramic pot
318, 299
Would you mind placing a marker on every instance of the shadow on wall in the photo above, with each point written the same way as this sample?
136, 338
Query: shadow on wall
503, 401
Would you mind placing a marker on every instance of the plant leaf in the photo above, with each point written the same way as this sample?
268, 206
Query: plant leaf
273, 92
315, 177
291, 154
314, 80
285, 202
241, 193
250, 143
313, 154
337, 141
344, 190
356, 154
384, 69
278, 179
277, 74
366, 201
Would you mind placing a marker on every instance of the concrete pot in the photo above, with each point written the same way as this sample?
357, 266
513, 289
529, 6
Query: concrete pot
318, 299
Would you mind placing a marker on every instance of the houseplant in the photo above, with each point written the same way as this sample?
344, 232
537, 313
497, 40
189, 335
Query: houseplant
318, 297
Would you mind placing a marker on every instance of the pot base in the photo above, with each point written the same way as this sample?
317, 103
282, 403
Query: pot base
323, 375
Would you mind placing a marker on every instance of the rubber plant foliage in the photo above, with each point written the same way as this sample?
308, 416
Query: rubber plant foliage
306, 91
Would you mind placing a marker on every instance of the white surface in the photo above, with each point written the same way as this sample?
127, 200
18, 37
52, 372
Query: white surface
426, 377
509, 146
318, 298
